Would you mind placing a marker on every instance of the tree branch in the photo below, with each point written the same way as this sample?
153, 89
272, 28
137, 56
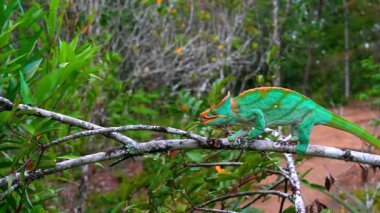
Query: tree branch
213, 164
7, 105
240, 194
298, 202
213, 210
183, 144
125, 128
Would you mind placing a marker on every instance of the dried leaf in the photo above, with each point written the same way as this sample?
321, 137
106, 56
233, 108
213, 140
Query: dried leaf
364, 174
329, 181
315, 207
172, 153
29, 164
374, 168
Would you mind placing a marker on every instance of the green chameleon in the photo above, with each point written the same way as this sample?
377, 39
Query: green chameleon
275, 106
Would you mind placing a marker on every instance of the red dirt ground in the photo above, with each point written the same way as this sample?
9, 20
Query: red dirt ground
347, 174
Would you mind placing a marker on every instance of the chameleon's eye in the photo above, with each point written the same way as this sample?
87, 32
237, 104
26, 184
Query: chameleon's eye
214, 111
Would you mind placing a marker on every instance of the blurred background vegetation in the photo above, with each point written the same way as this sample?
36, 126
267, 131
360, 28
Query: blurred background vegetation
160, 62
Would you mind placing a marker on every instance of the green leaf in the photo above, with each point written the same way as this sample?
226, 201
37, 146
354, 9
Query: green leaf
190, 101
25, 91
185, 97
26, 196
305, 173
7, 54
290, 209
31, 68
10, 181
64, 179
196, 106
4, 117
38, 209
45, 86
12, 88
251, 209
52, 18
9, 146
47, 163
99, 165
181, 208
215, 93
272, 53
5, 165
313, 185
194, 155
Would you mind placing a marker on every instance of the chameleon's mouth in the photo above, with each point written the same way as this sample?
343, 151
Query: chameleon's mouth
207, 119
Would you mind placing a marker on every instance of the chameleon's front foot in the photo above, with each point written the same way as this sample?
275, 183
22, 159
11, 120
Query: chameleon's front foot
237, 135
294, 139
253, 134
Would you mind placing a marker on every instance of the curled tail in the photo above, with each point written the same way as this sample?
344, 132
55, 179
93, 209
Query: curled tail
338, 122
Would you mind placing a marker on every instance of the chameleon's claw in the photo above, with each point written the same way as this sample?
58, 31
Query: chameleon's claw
232, 138
294, 139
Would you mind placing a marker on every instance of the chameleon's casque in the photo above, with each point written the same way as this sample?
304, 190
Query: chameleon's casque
275, 106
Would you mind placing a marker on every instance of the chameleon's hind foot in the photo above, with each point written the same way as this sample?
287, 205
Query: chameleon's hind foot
294, 139
301, 148
237, 135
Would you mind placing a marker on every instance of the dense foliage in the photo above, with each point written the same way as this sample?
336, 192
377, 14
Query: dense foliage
161, 62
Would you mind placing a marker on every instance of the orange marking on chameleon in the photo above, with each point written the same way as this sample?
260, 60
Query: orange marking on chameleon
259, 89
222, 101
204, 114
234, 106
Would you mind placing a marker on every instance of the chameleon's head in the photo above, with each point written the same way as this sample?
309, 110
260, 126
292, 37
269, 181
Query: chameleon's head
219, 114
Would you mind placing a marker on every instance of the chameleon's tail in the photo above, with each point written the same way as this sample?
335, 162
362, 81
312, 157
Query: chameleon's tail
345, 125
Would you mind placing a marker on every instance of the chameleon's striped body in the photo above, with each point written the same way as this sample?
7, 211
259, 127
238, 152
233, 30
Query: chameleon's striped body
275, 106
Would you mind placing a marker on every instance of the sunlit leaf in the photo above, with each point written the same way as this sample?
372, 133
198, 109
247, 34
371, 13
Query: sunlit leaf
31, 68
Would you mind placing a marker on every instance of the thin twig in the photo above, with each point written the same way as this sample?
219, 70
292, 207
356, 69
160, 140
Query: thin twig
241, 194
274, 185
126, 128
280, 172
213, 210
6, 104
213, 164
283, 199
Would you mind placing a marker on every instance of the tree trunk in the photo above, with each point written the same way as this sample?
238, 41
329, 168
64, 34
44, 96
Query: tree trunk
347, 91
306, 76
276, 42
